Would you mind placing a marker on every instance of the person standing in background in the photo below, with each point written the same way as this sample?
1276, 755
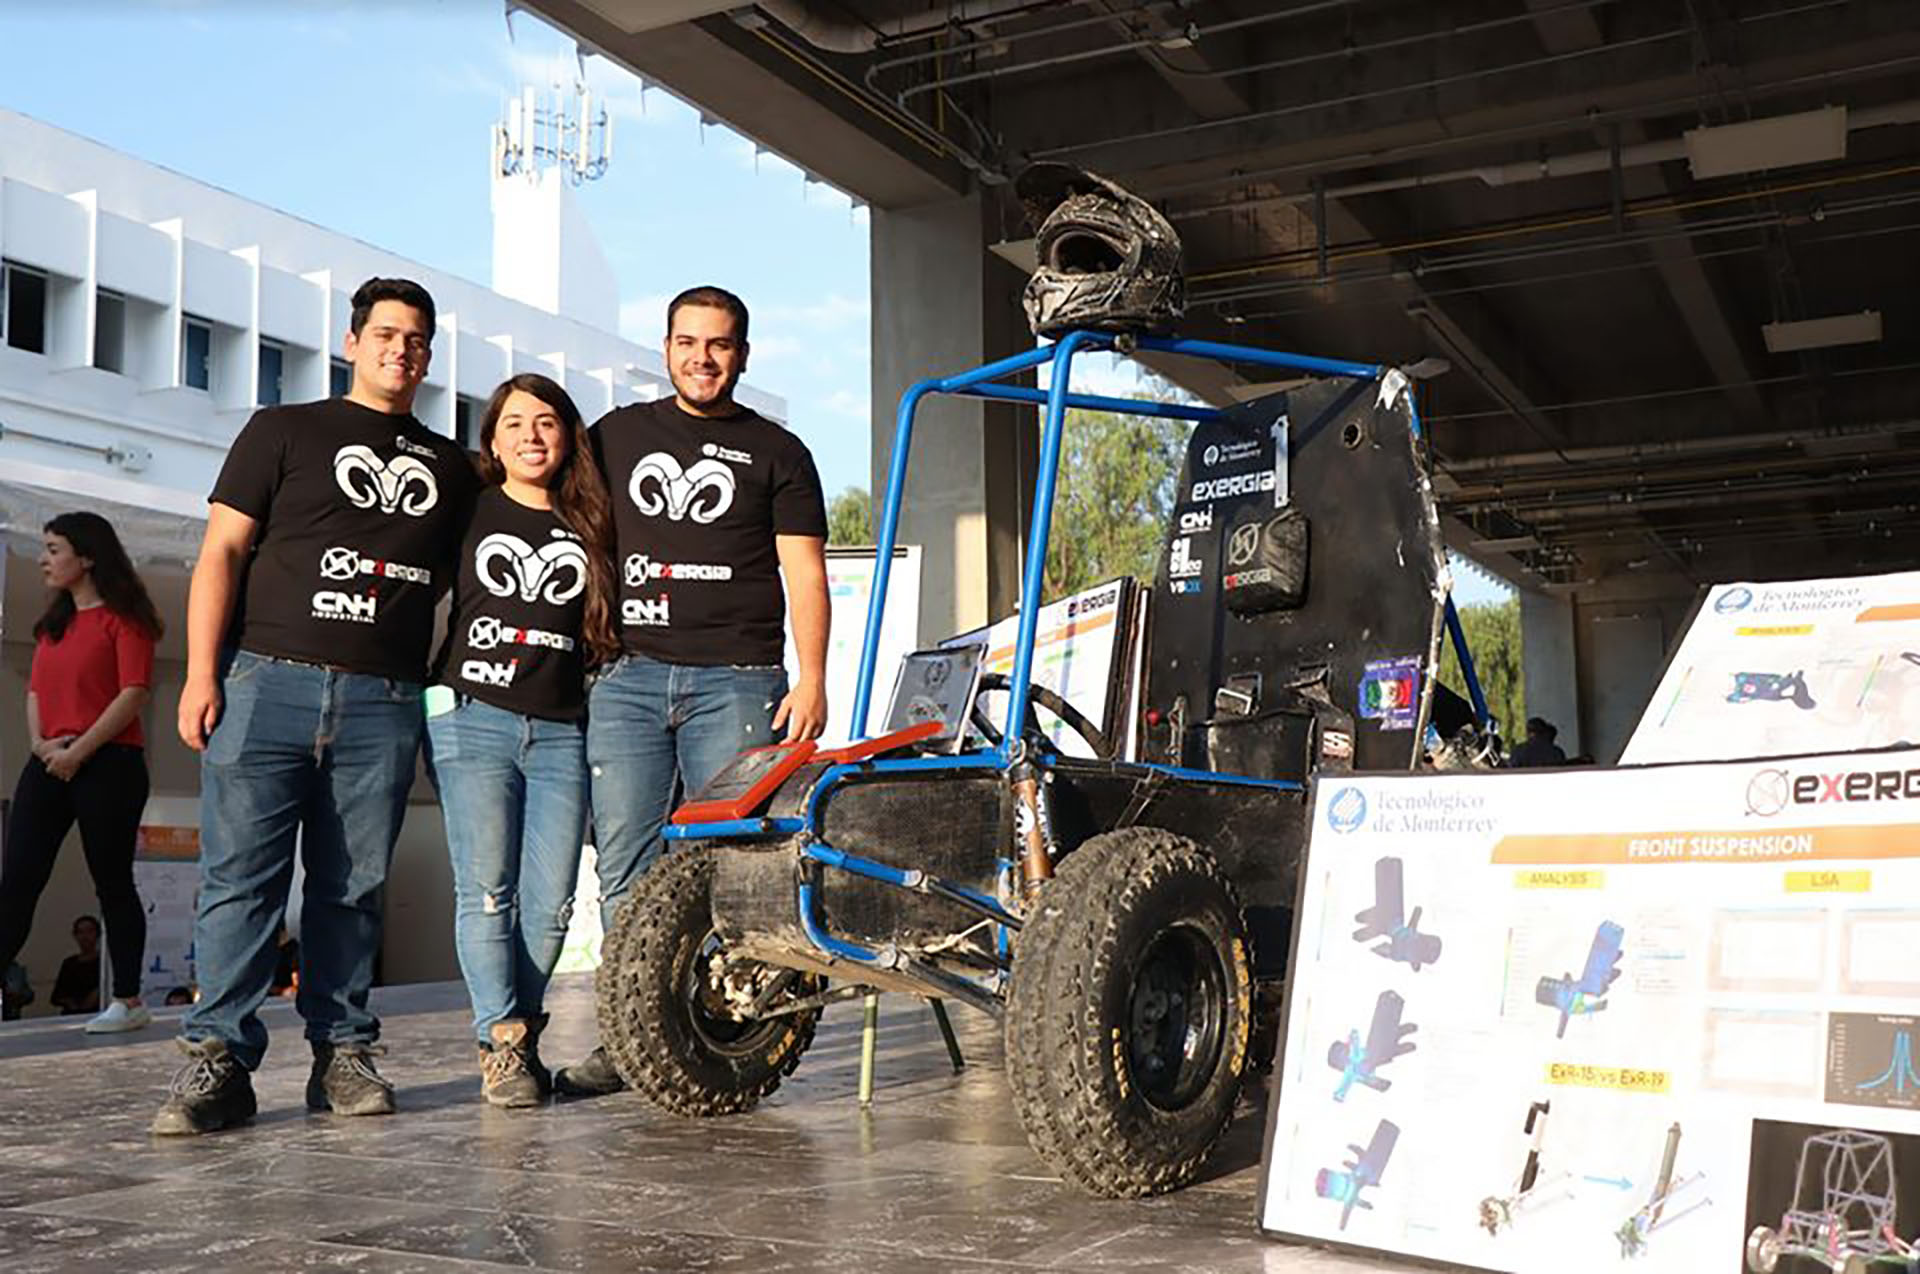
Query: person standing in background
506, 720
92, 674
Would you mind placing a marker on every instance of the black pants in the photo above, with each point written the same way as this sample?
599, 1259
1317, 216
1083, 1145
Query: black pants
107, 798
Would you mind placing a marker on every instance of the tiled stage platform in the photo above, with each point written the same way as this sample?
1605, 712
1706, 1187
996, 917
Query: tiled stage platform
937, 1178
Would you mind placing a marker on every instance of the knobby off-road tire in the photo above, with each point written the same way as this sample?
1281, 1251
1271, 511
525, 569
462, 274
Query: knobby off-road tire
1129, 1014
666, 1043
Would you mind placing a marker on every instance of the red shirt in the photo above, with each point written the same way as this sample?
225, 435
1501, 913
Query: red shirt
75, 678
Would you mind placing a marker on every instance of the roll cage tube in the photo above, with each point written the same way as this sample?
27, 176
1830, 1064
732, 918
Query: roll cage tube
984, 382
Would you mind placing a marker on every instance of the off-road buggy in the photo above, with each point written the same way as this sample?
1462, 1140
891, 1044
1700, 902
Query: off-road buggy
1118, 891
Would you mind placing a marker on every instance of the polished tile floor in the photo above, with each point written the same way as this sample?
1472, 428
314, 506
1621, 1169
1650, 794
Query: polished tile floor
936, 1177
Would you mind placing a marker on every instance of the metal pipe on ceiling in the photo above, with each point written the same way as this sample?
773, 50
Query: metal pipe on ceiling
837, 35
1687, 32
1585, 122
1504, 486
1007, 38
1528, 17
1108, 50
1663, 448
1618, 400
1303, 259
1582, 163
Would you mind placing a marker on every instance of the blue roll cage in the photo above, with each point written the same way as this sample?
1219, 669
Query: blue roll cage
985, 382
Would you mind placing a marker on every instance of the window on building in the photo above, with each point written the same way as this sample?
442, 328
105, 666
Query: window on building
110, 332
196, 352
23, 316
339, 377
466, 422
273, 361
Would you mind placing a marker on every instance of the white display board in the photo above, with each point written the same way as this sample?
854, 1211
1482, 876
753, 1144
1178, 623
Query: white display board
849, 588
1076, 648
166, 872
1643, 994
1790, 668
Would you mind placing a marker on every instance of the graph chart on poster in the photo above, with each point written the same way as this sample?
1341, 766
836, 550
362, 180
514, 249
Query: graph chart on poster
1789, 668
1648, 1019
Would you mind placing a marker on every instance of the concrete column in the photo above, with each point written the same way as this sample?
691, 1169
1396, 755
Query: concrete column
943, 304
1550, 667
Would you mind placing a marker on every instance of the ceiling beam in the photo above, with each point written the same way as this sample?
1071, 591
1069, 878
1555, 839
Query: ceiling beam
785, 99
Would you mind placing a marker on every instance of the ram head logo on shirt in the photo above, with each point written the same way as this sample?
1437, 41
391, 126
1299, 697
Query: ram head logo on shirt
658, 485
404, 483
554, 572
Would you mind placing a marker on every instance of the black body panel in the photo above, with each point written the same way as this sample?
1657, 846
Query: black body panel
1367, 591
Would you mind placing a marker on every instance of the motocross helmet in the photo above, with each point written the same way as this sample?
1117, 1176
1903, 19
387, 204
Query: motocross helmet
1108, 260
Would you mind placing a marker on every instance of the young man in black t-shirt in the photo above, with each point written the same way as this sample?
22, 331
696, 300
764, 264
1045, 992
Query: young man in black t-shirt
713, 505
330, 532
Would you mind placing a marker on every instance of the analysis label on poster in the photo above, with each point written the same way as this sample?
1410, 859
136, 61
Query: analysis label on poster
1657, 1019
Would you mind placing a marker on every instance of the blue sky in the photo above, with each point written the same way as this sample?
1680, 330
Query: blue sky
373, 119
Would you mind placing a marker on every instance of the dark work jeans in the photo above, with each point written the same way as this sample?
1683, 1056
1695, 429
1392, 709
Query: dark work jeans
106, 798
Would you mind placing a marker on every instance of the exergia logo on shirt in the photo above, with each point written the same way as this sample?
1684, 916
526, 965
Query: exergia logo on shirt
701, 492
556, 571
405, 483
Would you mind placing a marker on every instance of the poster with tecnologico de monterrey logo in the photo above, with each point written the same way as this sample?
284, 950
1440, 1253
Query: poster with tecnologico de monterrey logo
1788, 668
1664, 1018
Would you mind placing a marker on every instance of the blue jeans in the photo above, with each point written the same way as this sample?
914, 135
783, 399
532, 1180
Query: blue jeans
328, 756
514, 791
650, 724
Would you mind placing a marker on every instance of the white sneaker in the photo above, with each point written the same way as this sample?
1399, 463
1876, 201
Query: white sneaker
119, 1016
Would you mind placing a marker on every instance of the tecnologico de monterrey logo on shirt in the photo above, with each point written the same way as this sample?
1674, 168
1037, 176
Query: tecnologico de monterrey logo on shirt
701, 492
556, 571
405, 483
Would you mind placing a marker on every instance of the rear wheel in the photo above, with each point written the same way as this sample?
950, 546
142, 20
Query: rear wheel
672, 1007
1129, 1014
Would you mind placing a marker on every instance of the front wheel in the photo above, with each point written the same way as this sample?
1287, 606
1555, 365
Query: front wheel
1763, 1250
670, 1004
1129, 1014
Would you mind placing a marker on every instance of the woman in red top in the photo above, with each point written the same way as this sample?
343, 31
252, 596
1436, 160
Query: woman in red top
92, 670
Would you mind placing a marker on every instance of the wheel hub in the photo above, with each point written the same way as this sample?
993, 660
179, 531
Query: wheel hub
1176, 1019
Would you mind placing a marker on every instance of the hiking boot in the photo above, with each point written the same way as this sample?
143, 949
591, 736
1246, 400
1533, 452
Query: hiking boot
592, 1076
345, 1082
506, 1076
212, 1091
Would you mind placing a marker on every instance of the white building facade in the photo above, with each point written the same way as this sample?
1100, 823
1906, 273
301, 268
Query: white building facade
144, 316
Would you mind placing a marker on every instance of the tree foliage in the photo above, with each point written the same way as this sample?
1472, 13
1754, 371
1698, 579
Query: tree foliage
850, 518
1115, 493
1493, 636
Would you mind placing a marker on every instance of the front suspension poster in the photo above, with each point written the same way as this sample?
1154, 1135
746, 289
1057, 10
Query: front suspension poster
1660, 1020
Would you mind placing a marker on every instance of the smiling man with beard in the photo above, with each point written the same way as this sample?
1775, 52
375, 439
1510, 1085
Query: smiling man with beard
329, 536
713, 504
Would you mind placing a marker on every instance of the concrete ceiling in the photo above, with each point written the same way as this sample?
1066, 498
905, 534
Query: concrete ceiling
1504, 184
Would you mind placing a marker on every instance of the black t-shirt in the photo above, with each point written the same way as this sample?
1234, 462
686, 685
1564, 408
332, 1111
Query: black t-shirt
360, 516
519, 594
697, 503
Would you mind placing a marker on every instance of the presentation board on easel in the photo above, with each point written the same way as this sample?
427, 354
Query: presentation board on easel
1795, 666
1659, 1019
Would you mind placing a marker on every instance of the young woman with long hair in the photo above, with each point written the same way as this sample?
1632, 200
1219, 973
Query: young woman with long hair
92, 674
532, 612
